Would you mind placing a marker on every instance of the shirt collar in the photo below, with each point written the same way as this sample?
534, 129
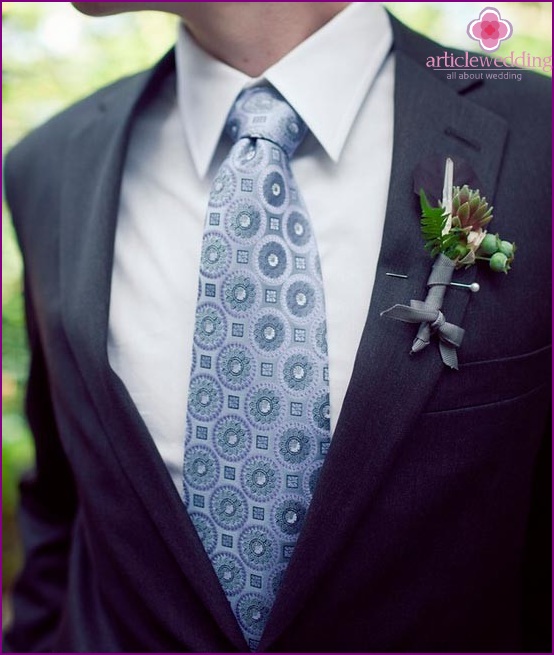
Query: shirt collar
325, 79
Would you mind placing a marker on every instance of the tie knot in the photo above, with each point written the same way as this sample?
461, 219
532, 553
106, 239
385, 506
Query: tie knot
262, 112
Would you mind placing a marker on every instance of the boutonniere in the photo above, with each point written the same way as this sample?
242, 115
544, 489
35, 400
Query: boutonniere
455, 234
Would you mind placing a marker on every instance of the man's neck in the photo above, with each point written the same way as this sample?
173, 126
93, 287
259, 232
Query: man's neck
251, 36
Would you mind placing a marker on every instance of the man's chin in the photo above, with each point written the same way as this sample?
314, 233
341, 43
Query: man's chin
106, 8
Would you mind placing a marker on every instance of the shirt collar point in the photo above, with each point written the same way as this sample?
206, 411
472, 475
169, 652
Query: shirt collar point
334, 152
331, 144
201, 158
202, 167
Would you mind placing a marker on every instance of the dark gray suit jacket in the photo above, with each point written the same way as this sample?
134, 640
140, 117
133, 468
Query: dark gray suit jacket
417, 536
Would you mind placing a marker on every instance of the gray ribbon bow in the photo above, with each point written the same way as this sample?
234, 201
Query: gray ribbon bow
429, 314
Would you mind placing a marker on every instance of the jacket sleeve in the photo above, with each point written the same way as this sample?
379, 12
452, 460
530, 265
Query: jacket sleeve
48, 502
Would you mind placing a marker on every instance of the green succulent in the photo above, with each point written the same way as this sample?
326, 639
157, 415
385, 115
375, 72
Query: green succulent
469, 210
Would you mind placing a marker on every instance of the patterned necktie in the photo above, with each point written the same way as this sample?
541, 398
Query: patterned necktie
258, 411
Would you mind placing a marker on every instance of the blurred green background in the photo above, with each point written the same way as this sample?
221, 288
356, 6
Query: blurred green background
53, 56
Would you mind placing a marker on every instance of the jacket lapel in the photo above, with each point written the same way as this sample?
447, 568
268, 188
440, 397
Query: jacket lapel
389, 387
96, 155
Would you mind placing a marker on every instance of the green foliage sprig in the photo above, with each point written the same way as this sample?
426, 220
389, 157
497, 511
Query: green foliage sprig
433, 223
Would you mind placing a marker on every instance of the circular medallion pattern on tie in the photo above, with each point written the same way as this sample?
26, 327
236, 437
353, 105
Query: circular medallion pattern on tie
258, 101
229, 507
206, 530
289, 514
216, 255
201, 468
272, 260
298, 229
248, 156
294, 129
205, 397
260, 479
244, 220
321, 412
210, 327
300, 297
294, 445
270, 332
253, 611
258, 548
274, 192
223, 187
292, 132
236, 367
298, 371
230, 572
240, 293
311, 477
320, 339
264, 405
232, 438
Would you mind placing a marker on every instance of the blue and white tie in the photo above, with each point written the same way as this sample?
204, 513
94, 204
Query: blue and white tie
258, 413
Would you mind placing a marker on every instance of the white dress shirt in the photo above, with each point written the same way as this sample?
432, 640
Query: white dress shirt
340, 81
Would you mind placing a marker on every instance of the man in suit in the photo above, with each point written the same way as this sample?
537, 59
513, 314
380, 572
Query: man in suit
424, 518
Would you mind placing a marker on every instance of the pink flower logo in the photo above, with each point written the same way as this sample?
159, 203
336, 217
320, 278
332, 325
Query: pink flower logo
489, 29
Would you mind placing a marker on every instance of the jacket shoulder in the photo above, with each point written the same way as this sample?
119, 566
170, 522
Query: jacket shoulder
530, 92
39, 154
45, 142
33, 168
35, 163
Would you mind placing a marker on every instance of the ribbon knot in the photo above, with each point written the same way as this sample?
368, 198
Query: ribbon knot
430, 317
438, 322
